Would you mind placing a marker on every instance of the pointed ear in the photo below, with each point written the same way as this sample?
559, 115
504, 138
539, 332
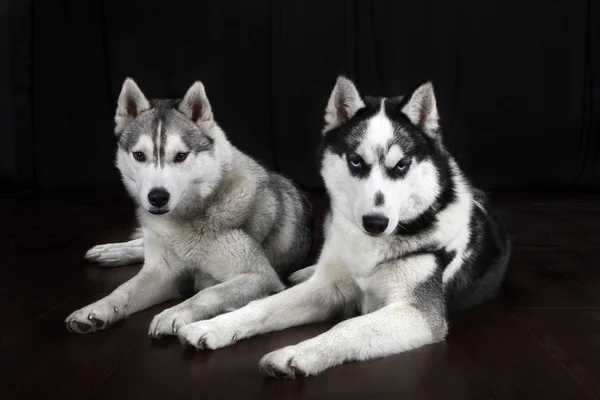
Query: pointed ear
130, 104
421, 108
344, 102
195, 104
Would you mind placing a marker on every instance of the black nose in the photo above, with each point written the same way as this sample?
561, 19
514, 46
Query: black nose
158, 197
375, 224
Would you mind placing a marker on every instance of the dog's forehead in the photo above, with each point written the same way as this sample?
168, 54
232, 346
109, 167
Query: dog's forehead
381, 135
160, 120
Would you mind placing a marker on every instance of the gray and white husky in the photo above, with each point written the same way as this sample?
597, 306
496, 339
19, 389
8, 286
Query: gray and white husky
210, 216
407, 242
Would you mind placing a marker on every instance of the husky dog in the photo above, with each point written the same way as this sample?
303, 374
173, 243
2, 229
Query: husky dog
407, 241
212, 219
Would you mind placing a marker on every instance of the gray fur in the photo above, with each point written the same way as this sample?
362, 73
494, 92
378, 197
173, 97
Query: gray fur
230, 231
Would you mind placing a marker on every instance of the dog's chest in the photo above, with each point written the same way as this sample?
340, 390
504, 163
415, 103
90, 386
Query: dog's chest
359, 252
180, 243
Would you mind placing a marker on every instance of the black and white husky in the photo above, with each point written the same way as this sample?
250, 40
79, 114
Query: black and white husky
407, 242
211, 217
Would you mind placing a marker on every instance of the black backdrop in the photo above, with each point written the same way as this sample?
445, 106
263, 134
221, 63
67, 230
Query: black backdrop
517, 81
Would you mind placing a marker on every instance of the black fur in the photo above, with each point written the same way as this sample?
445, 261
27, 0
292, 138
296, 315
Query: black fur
480, 278
344, 140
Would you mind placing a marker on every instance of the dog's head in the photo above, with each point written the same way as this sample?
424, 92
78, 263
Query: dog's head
166, 148
380, 156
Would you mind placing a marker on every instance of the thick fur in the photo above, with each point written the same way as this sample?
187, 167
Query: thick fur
212, 219
407, 241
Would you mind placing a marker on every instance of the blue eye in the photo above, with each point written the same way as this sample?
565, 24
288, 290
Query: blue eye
355, 161
402, 165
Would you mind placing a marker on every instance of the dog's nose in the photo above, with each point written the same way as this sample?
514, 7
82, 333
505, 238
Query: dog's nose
375, 224
158, 197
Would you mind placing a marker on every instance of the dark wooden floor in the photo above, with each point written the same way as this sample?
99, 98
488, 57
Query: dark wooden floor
541, 340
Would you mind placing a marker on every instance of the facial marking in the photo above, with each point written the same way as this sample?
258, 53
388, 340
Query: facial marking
196, 141
379, 199
145, 145
379, 132
174, 145
157, 144
394, 155
400, 177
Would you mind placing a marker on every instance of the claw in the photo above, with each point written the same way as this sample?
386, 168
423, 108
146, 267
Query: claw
200, 344
296, 372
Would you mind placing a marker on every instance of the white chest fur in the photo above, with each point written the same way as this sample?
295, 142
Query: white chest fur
176, 242
347, 245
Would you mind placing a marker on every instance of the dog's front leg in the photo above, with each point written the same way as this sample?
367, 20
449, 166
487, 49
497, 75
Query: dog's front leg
328, 291
155, 283
239, 263
393, 329
414, 315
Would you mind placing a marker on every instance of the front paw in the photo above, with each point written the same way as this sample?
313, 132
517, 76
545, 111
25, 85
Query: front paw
92, 318
168, 322
291, 363
206, 335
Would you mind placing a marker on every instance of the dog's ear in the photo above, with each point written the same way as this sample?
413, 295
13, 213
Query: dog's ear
130, 104
421, 109
344, 102
195, 104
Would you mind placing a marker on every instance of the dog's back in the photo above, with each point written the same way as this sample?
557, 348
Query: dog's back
279, 216
290, 238
482, 274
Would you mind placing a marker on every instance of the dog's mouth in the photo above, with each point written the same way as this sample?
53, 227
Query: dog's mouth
159, 211
373, 234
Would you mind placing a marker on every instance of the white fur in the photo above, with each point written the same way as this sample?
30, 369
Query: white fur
379, 132
394, 155
117, 254
376, 274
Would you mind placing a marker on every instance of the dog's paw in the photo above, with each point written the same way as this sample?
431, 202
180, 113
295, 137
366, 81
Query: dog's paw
114, 255
302, 275
206, 335
168, 322
291, 363
92, 318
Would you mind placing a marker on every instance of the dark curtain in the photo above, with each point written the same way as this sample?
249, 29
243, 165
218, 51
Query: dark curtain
517, 82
